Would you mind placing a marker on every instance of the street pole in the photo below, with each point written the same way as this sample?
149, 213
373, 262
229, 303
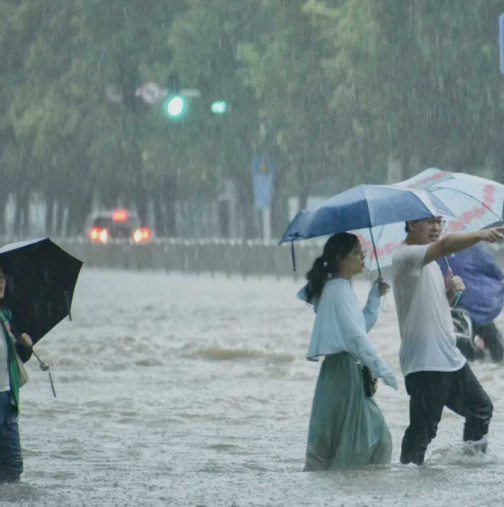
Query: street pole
266, 221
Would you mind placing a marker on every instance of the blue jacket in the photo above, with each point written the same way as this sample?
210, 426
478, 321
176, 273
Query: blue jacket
484, 294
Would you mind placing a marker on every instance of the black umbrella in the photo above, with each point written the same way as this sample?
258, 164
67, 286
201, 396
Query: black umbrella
41, 279
41, 282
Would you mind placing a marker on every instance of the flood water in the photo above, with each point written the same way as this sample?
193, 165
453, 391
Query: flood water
195, 391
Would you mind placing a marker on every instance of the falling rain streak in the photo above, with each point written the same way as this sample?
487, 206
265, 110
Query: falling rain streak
200, 394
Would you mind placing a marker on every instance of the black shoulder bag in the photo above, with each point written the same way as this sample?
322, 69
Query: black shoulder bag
370, 381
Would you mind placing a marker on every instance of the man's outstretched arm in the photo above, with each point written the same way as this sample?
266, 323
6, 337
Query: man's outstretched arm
453, 243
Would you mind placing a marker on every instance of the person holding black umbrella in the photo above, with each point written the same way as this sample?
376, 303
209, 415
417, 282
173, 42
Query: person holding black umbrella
13, 352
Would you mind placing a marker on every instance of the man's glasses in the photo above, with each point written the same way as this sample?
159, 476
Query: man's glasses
436, 221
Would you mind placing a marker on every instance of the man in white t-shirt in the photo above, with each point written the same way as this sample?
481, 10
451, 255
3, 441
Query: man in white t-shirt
436, 373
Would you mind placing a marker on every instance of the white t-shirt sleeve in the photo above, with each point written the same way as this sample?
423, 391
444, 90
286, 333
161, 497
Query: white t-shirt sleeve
411, 257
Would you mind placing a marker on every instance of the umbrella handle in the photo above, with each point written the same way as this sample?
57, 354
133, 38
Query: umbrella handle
45, 367
385, 304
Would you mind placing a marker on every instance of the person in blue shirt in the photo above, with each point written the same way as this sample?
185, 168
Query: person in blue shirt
483, 299
347, 428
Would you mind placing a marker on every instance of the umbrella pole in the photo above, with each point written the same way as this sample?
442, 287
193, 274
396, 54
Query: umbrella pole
374, 249
45, 367
459, 293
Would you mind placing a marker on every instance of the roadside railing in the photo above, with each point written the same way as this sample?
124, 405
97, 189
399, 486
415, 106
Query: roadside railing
230, 257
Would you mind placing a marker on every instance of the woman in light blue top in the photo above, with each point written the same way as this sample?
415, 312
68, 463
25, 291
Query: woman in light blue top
347, 429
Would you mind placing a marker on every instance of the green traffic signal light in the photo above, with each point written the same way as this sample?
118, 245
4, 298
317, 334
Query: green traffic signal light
219, 107
175, 106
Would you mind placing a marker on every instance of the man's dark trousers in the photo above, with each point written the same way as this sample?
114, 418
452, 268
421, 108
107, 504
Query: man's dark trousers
430, 392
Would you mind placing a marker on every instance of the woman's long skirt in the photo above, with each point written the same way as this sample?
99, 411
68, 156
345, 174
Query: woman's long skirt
347, 429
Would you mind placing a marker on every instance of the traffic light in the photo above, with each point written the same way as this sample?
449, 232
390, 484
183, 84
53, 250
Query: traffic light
219, 107
175, 106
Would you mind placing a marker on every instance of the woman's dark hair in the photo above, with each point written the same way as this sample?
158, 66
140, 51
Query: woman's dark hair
337, 247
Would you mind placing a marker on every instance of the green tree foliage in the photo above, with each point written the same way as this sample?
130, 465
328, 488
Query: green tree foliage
420, 79
75, 141
17, 31
205, 42
283, 66
333, 90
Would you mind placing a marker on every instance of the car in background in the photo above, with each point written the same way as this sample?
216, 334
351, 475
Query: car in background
116, 225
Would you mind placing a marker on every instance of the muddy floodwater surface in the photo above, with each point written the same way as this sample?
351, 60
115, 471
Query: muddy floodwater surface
195, 391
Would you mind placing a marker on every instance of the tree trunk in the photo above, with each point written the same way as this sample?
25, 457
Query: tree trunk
246, 207
60, 214
169, 195
49, 215
3, 215
21, 216
278, 211
159, 219
78, 211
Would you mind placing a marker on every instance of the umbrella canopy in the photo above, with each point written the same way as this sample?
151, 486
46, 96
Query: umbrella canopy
364, 206
41, 278
476, 203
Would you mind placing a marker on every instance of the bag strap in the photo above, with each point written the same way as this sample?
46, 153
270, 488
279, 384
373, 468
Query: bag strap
3, 317
4, 320
12, 361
